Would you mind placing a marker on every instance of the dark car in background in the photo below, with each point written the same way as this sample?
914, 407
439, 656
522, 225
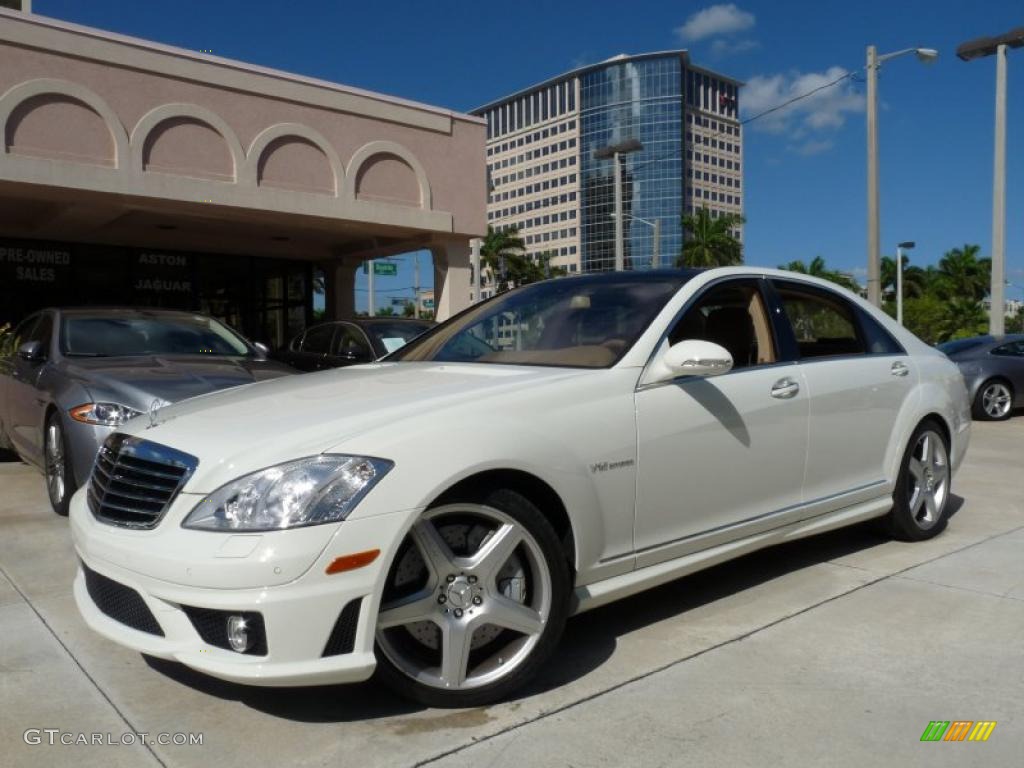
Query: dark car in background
349, 342
993, 369
70, 377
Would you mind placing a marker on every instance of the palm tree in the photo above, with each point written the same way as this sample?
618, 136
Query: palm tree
500, 247
710, 241
963, 275
915, 279
817, 268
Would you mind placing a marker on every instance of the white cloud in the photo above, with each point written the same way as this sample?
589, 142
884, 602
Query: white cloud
723, 47
715, 20
812, 147
825, 109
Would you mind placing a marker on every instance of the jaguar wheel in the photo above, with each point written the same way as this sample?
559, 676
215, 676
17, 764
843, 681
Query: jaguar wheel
475, 602
60, 478
994, 401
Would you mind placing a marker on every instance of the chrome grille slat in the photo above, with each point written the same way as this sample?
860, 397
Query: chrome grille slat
134, 481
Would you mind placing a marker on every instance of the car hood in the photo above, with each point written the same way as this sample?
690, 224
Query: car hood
235, 432
138, 381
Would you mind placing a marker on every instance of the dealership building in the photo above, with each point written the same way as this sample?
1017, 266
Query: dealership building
134, 173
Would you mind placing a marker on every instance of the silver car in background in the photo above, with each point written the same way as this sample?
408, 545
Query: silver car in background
993, 369
69, 377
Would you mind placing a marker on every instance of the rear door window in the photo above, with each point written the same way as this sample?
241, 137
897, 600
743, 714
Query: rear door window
317, 341
824, 325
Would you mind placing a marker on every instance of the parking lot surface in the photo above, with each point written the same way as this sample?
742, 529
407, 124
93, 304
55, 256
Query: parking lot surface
837, 650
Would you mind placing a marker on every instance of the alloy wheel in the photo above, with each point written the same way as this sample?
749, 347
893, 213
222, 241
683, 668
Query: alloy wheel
928, 486
56, 483
467, 599
996, 400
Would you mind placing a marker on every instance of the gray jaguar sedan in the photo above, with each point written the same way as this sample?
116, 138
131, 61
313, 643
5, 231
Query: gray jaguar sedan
70, 377
993, 369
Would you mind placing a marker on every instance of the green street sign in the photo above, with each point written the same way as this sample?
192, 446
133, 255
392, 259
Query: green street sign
382, 268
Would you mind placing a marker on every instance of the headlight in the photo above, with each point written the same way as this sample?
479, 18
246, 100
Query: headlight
318, 489
104, 414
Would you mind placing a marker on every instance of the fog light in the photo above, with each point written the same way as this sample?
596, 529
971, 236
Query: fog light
238, 634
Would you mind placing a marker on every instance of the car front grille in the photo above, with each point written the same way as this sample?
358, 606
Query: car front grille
120, 603
134, 481
343, 636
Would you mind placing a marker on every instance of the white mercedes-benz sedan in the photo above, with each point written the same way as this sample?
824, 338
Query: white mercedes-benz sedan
437, 516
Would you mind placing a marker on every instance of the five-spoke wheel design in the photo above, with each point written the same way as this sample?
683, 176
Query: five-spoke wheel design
468, 599
995, 400
928, 482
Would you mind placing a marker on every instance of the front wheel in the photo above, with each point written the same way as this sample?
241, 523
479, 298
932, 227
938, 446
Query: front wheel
921, 499
994, 401
475, 602
60, 476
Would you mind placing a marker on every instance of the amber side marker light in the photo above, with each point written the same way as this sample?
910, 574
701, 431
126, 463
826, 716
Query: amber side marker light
351, 562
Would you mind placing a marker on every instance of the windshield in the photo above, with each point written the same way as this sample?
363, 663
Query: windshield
961, 345
394, 335
119, 336
587, 322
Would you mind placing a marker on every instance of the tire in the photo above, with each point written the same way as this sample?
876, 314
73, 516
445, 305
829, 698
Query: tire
921, 499
491, 556
57, 466
994, 401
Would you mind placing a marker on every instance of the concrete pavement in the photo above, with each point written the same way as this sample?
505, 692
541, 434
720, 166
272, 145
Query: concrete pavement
837, 650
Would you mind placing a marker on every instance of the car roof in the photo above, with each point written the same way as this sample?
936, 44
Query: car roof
124, 311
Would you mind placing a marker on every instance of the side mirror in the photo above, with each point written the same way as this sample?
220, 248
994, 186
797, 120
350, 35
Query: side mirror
692, 357
262, 348
32, 351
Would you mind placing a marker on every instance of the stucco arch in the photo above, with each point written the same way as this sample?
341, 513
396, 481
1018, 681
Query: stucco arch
249, 173
149, 121
43, 86
374, 148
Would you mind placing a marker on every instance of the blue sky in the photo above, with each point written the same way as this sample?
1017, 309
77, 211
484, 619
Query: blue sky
804, 174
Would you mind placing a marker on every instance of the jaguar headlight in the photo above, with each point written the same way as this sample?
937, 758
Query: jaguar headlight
310, 491
103, 414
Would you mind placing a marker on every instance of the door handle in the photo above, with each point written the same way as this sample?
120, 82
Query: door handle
899, 369
783, 389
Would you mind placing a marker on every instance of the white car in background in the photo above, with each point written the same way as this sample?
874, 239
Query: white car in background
437, 516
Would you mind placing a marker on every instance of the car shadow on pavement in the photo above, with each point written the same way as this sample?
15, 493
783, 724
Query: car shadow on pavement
590, 639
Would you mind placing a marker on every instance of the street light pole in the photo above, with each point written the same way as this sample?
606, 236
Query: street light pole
615, 152
874, 62
655, 240
416, 285
874, 254
996, 317
372, 299
976, 49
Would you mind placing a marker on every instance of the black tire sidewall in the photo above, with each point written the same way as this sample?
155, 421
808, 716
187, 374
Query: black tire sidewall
900, 522
523, 511
64, 506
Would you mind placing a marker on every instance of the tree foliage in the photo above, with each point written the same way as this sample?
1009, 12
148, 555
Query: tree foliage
710, 241
817, 268
505, 265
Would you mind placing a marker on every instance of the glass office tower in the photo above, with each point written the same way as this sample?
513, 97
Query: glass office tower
549, 183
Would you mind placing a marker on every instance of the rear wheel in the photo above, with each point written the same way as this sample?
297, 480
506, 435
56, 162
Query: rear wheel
994, 401
475, 602
921, 499
60, 477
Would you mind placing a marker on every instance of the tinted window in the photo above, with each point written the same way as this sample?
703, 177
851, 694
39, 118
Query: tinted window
351, 343
731, 315
18, 336
317, 341
878, 340
1013, 349
824, 324
42, 333
962, 345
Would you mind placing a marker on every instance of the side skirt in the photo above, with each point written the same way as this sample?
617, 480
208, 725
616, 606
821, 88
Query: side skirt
607, 591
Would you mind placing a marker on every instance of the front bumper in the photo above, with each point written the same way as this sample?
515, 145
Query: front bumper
299, 616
